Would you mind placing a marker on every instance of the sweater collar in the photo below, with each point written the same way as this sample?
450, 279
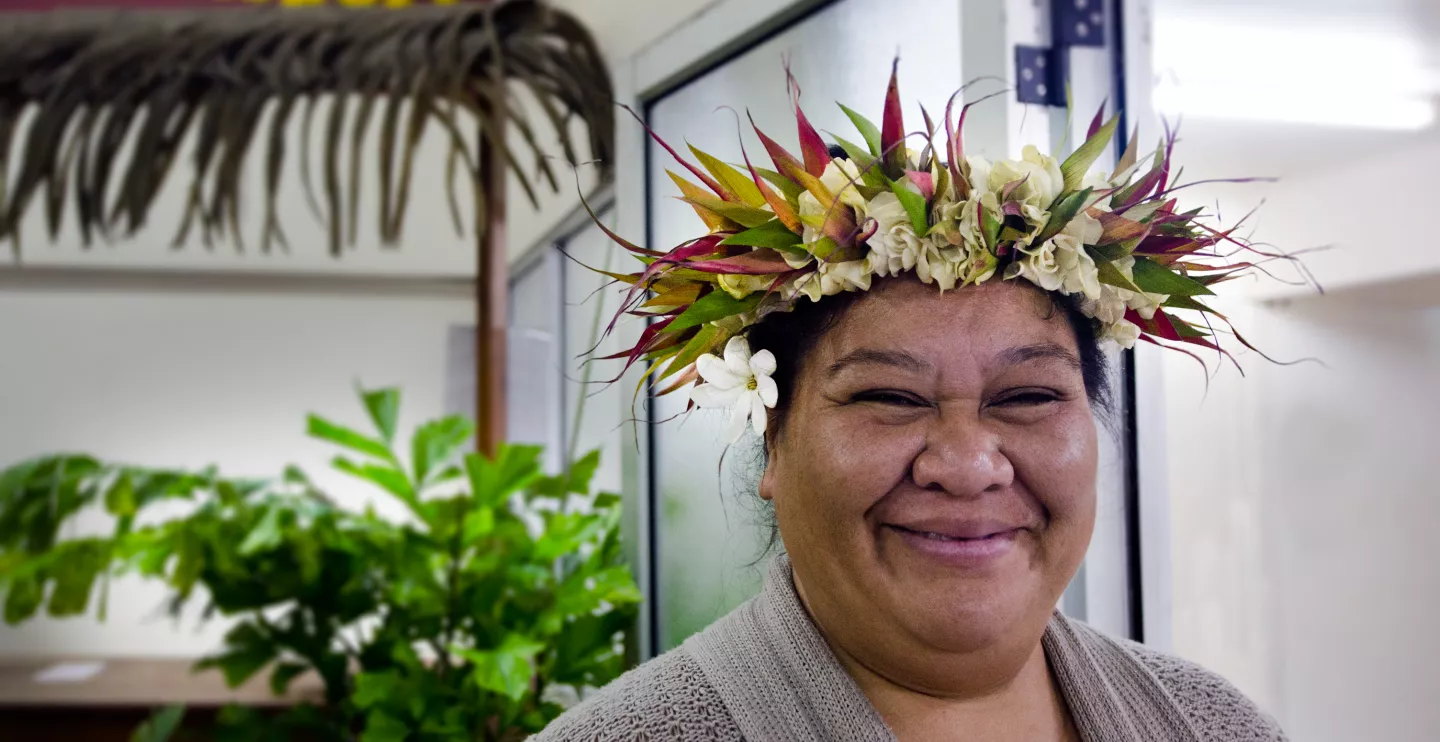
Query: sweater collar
780, 681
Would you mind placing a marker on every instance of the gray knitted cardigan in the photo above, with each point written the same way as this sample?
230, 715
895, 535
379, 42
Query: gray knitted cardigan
763, 673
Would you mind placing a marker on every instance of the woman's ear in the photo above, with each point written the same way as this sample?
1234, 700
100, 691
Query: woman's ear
767, 482
767, 478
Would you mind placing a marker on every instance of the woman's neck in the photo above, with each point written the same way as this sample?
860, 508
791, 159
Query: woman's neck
994, 695
1028, 707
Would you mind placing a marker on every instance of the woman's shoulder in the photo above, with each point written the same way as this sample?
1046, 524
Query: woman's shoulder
666, 698
1214, 707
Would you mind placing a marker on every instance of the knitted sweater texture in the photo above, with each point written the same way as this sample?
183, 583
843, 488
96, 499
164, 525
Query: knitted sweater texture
763, 673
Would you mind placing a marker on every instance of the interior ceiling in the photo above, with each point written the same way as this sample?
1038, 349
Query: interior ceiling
1218, 148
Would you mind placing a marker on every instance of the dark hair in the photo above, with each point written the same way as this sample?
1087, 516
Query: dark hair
792, 335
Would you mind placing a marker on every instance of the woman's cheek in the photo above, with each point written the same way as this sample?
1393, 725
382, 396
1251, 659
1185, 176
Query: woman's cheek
867, 457
1057, 461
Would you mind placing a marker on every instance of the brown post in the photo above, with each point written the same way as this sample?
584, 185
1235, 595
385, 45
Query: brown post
492, 294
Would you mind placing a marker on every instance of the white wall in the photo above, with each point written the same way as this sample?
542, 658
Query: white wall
175, 376
1304, 501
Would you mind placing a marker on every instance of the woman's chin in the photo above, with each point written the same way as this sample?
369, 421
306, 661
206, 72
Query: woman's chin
964, 611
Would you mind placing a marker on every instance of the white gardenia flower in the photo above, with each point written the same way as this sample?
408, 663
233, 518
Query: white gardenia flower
1042, 178
1108, 308
1061, 262
896, 247
740, 383
1123, 333
1078, 271
831, 278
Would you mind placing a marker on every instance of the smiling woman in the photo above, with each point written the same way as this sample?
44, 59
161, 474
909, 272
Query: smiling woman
929, 422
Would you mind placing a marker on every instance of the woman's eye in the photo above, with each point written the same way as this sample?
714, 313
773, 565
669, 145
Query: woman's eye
1027, 398
889, 397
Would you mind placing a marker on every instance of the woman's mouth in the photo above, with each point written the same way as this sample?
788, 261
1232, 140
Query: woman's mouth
959, 551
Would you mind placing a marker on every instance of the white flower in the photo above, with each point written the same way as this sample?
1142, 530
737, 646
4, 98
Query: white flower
1123, 333
1040, 182
740, 383
895, 247
741, 285
1079, 273
831, 278
1038, 266
1100, 182
1061, 263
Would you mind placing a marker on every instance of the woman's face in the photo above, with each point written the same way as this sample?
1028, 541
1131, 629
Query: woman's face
934, 478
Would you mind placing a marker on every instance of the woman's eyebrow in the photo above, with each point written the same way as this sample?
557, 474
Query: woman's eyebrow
877, 357
1038, 351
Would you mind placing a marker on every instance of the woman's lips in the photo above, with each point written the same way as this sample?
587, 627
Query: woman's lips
972, 552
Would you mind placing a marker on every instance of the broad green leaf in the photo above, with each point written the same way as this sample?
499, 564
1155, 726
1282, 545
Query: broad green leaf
607, 500
161, 725
914, 202
567, 531
382, 727
22, 598
733, 180
479, 522
76, 567
772, 234
513, 468
583, 592
247, 651
1157, 279
265, 535
120, 496
383, 406
436, 441
284, 673
319, 427
867, 129
1078, 163
386, 477
374, 688
582, 471
507, 669
713, 306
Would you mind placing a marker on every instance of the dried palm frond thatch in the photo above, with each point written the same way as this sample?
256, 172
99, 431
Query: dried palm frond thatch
84, 83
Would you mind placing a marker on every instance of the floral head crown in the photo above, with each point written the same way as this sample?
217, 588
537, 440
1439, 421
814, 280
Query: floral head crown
818, 225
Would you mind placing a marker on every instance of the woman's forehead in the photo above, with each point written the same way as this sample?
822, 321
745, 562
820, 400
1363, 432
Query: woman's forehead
995, 324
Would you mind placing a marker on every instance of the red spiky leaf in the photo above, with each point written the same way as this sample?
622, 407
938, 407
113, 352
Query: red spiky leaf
892, 124
812, 147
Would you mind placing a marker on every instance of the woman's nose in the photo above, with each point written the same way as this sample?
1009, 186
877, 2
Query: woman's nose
962, 457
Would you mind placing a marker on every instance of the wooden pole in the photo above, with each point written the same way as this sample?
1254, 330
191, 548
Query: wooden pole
492, 294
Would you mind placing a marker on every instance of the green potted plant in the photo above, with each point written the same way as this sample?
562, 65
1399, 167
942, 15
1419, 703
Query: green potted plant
502, 586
